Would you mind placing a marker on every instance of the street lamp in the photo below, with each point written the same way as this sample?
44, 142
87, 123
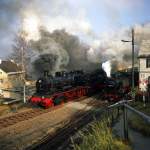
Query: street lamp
132, 41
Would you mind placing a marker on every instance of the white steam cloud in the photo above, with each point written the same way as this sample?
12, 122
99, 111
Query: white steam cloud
107, 68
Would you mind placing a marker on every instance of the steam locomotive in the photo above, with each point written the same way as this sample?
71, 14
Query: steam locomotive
65, 86
60, 82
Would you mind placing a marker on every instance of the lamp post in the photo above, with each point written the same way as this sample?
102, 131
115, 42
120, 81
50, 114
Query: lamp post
132, 41
23, 72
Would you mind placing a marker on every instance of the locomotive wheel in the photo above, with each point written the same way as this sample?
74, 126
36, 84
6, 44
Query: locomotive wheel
64, 99
60, 100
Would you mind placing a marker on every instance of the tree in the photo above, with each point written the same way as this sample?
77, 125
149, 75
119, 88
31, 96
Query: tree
21, 52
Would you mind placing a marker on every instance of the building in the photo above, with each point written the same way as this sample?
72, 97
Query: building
11, 79
144, 65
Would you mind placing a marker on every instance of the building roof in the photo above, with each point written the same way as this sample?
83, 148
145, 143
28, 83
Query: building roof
144, 49
9, 66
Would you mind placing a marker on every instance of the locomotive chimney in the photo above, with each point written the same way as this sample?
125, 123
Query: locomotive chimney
46, 72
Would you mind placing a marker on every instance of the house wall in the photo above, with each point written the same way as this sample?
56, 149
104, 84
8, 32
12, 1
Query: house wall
144, 73
16, 84
3, 79
10, 83
16, 81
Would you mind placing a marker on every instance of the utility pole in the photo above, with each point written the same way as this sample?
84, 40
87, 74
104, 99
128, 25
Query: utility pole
132, 41
23, 72
22, 58
132, 60
23, 66
24, 44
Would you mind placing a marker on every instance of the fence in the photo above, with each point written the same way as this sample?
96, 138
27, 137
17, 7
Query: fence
125, 107
10, 96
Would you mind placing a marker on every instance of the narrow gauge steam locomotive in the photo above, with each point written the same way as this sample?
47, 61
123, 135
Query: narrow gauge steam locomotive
65, 86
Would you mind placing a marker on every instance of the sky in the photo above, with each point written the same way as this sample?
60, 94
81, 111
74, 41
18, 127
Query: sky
91, 20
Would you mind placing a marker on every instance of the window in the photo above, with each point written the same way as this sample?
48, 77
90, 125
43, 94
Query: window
148, 63
142, 75
1, 80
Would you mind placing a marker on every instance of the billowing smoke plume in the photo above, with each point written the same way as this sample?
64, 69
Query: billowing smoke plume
58, 51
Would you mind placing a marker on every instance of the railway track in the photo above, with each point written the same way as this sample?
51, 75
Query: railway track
11, 120
61, 138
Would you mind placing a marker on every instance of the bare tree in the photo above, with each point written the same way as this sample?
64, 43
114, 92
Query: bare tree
21, 52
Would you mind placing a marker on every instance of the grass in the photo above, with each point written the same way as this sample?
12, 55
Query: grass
100, 137
137, 123
140, 106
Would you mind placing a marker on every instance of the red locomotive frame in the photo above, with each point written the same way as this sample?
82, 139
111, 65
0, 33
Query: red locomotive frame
60, 97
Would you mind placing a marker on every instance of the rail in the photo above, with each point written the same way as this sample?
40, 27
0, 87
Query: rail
144, 116
123, 104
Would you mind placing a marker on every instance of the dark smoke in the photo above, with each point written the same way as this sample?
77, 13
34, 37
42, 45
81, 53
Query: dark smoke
44, 62
58, 51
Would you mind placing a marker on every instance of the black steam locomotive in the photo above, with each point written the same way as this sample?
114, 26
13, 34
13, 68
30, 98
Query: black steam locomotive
65, 86
60, 82
63, 81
